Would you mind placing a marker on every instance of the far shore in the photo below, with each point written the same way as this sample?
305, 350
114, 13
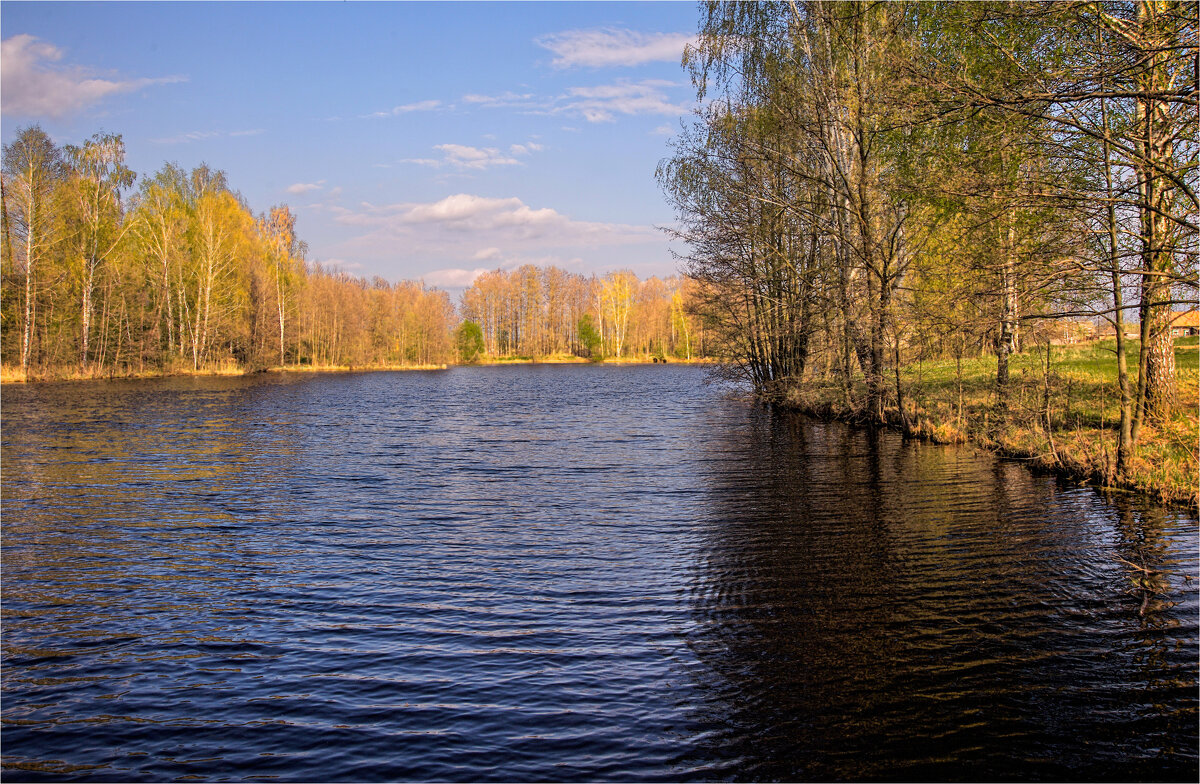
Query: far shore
11, 375
568, 359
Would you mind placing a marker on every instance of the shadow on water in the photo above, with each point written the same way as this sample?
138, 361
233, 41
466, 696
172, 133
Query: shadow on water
870, 608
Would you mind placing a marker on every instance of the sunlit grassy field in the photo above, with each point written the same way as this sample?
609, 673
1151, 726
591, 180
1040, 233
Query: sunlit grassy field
1082, 381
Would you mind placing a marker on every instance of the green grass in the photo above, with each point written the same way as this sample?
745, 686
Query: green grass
1083, 395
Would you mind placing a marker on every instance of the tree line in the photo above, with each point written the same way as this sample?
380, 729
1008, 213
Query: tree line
866, 185
104, 273
100, 276
540, 312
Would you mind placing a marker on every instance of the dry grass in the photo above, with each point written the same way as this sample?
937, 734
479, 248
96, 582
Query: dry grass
226, 368
553, 359
349, 368
571, 359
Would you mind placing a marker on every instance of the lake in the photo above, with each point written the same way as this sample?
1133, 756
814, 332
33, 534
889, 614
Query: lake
565, 572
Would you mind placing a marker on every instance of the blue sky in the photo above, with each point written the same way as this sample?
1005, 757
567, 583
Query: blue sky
413, 140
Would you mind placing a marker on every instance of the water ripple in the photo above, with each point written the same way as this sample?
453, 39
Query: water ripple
565, 573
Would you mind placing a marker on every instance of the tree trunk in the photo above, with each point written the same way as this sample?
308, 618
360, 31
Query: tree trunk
280, 304
27, 327
89, 270
1156, 145
1125, 433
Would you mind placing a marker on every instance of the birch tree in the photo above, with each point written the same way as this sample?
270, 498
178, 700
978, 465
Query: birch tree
98, 175
159, 221
32, 169
279, 229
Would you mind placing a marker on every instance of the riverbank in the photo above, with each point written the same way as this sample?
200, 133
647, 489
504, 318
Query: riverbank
946, 402
571, 359
10, 375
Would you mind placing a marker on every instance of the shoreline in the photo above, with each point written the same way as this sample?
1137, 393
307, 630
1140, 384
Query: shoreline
1083, 455
10, 375
573, 360
1063, 464
14, 376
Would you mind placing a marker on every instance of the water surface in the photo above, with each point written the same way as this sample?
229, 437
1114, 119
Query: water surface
565, 573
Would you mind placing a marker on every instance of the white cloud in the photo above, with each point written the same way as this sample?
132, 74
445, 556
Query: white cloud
505, 99
475, 212
452, 278
434, 162
459, 278
469, 228
419, 106
305, 187
197, 136
597, 103
461, 156
464, 157
610, 46
602, 102
34, 85
525, 149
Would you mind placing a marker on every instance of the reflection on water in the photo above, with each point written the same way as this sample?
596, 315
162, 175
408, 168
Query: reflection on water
565, 573
914, 612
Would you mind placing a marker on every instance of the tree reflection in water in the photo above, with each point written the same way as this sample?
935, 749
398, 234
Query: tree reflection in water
867, 607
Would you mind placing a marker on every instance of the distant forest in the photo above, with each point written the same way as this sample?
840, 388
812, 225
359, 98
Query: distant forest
546, 312
104, 273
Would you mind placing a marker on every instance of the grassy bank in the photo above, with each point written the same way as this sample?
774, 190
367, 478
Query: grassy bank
951, 403
554, 359
571, 359
14, 375
351, 368
11, 375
